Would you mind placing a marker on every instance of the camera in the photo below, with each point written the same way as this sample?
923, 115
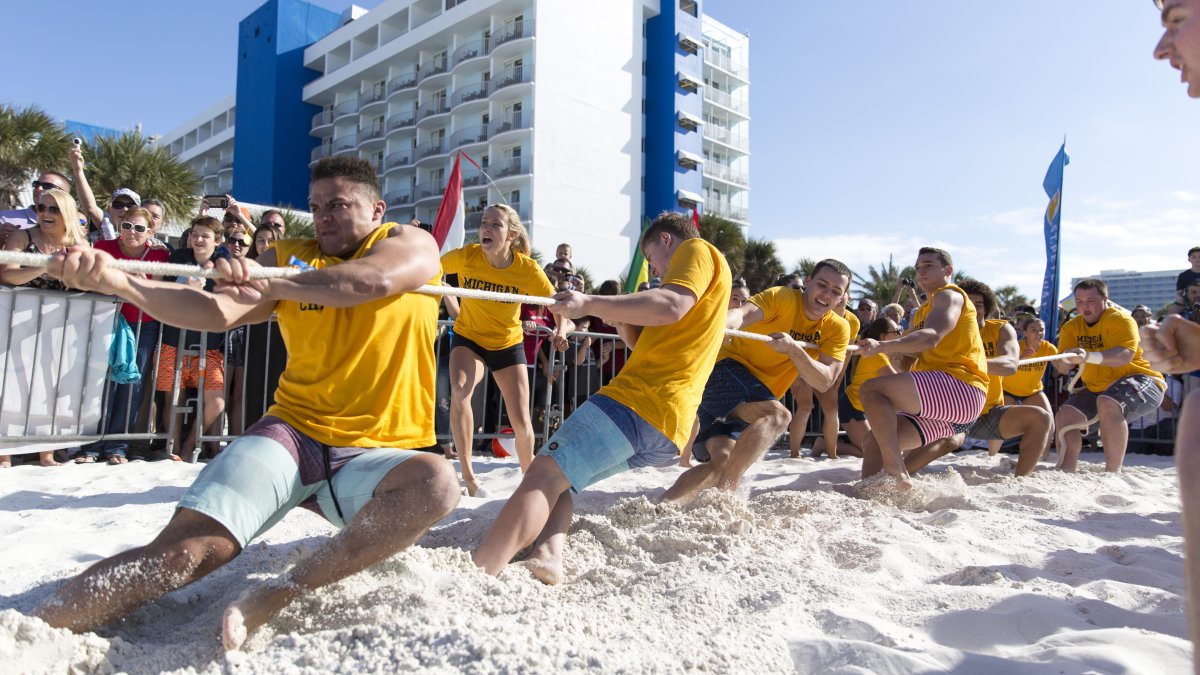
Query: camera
217, 201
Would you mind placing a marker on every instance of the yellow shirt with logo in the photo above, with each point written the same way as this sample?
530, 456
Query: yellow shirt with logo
361, 376
783, 312
1027, 381
1114, 328
960, 352
855, 325
868, 367
990, 334
489, 324
664, 377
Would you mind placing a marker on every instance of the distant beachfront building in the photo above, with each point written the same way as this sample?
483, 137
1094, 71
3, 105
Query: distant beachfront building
586, 118
1130, 289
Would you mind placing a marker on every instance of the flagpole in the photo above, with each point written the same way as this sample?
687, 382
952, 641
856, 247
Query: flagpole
485, 175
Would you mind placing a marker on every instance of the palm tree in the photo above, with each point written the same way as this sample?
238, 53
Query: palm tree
1009, 298
131, 160
297, 226
804, 267
30, 141
881, 285
727, 236
761, 264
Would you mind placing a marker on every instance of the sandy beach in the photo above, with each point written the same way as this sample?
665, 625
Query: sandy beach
974, 571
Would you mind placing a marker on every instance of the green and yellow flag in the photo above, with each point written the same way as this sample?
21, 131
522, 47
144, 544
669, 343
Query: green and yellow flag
638, 269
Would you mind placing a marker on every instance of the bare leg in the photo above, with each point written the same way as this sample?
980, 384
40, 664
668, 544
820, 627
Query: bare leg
237, 378
514, 387
856, 437
466, 372
703, 475
1071, 441
1113, 431
1032, 424
882, 399
803, 395
47, 459
405, 504
767, 421
919, 458
685, 457
189, 547
1039, 400
525, 515
828, 400
5, 461
1187, 459
545, 561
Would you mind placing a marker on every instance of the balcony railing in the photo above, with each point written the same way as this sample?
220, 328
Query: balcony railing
345, 108
435, 67
320, 152
370, 133
723, 135
469, 51
477, 134
322, 118
434, 106
227, 164
402, 119
398, 159
373, 95
405, 81
725, 62
430, 189
724, 99
511, 76
471, 92
725, 173
399, 197
513, 31
510, 122
512, 167
726, 210
431, 149
344, 143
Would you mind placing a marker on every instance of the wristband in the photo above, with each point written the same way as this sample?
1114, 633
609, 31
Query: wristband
1094, 357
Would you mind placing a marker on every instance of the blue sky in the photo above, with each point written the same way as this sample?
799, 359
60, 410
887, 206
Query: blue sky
877, 126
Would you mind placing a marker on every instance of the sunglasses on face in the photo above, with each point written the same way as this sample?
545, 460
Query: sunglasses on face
123, 205
235, 242
135, 228
42, 208
45, 186
560, 270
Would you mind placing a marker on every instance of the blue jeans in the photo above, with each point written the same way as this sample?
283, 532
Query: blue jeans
124, 400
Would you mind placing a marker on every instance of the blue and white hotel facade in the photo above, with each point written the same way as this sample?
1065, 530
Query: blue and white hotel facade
587, 118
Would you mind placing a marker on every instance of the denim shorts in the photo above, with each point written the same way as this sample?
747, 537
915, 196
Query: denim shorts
1138, 395
254, 482
729, 385
603, 438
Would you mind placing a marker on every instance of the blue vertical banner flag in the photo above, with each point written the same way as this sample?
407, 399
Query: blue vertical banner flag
1052, 223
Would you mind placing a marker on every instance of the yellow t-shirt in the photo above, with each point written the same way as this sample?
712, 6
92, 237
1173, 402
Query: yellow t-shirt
783, 312
1027, 381
664, 377
855, 325
361, 376
868, 367
489, 324
990, 334
960, 352
1114, 328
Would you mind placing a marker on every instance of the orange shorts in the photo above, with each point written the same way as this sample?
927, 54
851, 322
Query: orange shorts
214, 370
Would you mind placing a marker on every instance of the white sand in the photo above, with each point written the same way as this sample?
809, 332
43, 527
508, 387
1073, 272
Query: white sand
974, 572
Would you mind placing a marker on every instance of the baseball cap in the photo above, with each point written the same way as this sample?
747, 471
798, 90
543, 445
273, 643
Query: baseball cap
126, 192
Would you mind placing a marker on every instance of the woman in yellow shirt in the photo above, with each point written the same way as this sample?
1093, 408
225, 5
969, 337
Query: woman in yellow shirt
850, 410
1025, 386
487, 334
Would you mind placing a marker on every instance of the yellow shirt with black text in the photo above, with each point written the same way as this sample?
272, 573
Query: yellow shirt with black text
783, 312
664, 377
361, 376
490, 324
1027, 381
1114, 328
990, 334
960, 352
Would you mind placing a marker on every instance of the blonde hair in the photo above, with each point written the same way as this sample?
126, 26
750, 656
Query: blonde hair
75, 232
513, 225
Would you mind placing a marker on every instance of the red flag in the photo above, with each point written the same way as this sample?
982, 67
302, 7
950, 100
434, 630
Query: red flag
449, 228
695, 218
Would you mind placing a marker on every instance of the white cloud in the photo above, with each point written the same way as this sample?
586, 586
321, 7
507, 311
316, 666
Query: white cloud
1185, 196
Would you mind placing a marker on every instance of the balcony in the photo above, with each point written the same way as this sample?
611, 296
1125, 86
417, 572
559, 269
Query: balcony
398, 159
320, 152
432, 148
471, 92
323, 118
226, 165
725, 173
471, 50
429, 189
347, 143
368, 97
436, 106
345, 108
401, 197
724, 100
513, 31
511, 76
370, 134
402, 120
478, 134
723, 135
402, 82
510, 122
508, 168
726, 63
435, 67
727, 211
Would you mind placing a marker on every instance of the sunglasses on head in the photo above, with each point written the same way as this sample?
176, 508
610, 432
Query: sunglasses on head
118, 204
44, 185
135, 228
42, 208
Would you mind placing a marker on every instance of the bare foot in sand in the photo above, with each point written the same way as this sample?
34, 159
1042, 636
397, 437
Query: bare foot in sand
47, 459
5, 462
472, 486
548, 569
251, 610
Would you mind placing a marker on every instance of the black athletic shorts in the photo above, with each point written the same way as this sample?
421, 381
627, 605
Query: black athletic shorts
494, 360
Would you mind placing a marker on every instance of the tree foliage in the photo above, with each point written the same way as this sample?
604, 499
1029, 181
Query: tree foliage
804, 267
881, 284
761, 264
1009, 298
30, 142
131, 160
727, 236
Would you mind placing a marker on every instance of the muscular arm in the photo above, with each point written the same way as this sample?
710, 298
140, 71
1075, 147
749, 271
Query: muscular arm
1008, 353
655, 307
946, 308
819, 373
741, 317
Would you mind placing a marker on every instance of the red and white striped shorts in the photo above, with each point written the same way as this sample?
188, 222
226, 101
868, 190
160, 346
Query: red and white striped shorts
948, 405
